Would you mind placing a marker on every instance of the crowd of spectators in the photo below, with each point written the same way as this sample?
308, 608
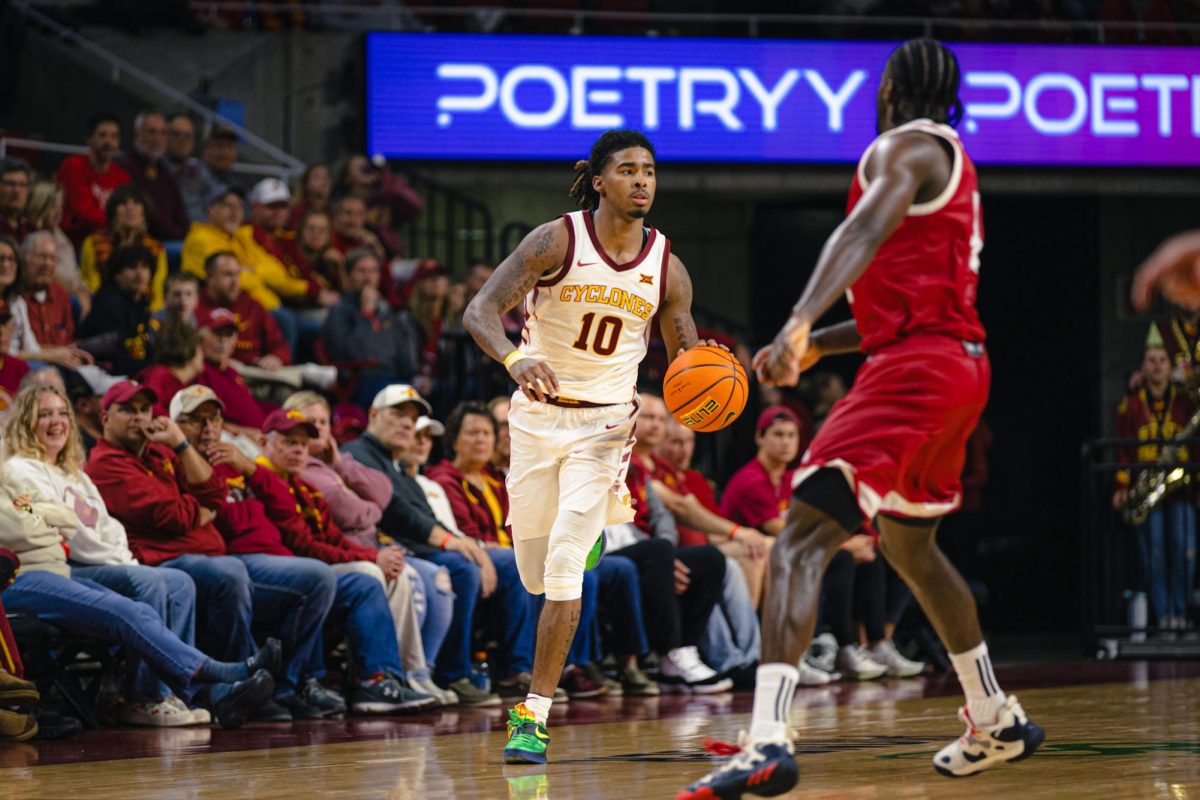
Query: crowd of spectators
968, 19
244, 423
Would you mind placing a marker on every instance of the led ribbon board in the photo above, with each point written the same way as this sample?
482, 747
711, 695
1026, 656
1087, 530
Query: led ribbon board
536, 98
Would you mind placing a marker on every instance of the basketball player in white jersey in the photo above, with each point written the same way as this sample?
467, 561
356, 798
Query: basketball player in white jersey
592, 282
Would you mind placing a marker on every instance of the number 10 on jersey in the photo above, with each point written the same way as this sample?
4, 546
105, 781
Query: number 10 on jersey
608, 332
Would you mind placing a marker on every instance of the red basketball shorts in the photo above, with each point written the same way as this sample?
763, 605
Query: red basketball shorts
900, 435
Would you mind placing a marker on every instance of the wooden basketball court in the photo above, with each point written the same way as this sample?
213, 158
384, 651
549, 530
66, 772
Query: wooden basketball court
1113, 730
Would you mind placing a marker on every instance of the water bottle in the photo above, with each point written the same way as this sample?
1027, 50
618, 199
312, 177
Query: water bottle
1138, 615
481, 672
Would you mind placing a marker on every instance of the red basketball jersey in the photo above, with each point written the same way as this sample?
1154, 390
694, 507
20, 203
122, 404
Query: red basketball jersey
925, 277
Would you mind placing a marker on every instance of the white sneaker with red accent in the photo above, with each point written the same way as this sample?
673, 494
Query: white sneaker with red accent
1011, 737
161, 714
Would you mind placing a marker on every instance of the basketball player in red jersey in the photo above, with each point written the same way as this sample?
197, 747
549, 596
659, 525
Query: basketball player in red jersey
907, 257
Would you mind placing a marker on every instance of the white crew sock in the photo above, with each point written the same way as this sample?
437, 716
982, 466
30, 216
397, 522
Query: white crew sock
540, 706
774, 688
984, 696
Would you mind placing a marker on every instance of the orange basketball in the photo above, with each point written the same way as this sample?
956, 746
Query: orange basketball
706, 388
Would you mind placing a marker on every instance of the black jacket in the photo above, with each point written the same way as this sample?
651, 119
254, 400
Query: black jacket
117, 331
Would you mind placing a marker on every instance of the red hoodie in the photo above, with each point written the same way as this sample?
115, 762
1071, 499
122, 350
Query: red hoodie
152, 498
258, 334
307, 524
244, 517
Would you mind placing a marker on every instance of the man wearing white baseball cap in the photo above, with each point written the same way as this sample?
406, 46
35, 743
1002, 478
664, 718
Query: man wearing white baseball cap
390, 434
268, 214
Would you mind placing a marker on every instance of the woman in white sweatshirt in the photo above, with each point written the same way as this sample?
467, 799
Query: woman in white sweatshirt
44, 453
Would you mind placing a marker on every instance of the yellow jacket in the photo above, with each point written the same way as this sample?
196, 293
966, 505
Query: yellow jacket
264, 277
98, 249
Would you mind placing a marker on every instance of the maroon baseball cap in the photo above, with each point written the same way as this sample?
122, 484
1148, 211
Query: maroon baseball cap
125, 391
428, 268
215, 319
773, 414
287, 420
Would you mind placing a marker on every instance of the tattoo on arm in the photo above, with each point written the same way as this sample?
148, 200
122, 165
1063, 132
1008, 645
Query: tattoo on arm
544, 243
510, 289
509, 284
685, 330
677, 326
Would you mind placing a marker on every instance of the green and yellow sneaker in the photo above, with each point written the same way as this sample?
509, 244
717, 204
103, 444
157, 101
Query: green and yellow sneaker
527, 738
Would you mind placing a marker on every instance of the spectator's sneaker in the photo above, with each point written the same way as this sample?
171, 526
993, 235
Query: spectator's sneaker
764, 768
16, 691
444, 697
822, 653
579, 686
897, 666
1011, 737
268, 657
472, 696
299, 709
527, 738
200, 716
683, 671
158, 714
854, 663
812, 676
233, 703
322, 698
384, 695
600, 677
415, 701
636, 683
16, 727
271, 711
516, 685
52, 725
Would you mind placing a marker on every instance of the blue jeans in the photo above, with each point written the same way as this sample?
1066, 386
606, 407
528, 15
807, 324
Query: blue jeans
85, 607
289, 325
288, 596
1167, 544
224, 604
171, 594
732, 637
361, 606
454, 658
621, 605
435, 608
514, 612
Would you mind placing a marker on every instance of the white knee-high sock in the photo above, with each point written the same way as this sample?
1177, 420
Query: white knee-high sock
774, 688
985, 698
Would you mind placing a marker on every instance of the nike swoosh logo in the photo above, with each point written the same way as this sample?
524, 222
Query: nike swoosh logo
974, 759
611, 427
586, 263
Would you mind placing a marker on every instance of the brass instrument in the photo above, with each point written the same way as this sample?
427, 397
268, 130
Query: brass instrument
1153, 484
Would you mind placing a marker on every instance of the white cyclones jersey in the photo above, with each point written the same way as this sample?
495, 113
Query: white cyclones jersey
590, 319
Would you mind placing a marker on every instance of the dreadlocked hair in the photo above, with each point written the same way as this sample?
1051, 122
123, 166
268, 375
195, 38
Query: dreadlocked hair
926, 77
609, 142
